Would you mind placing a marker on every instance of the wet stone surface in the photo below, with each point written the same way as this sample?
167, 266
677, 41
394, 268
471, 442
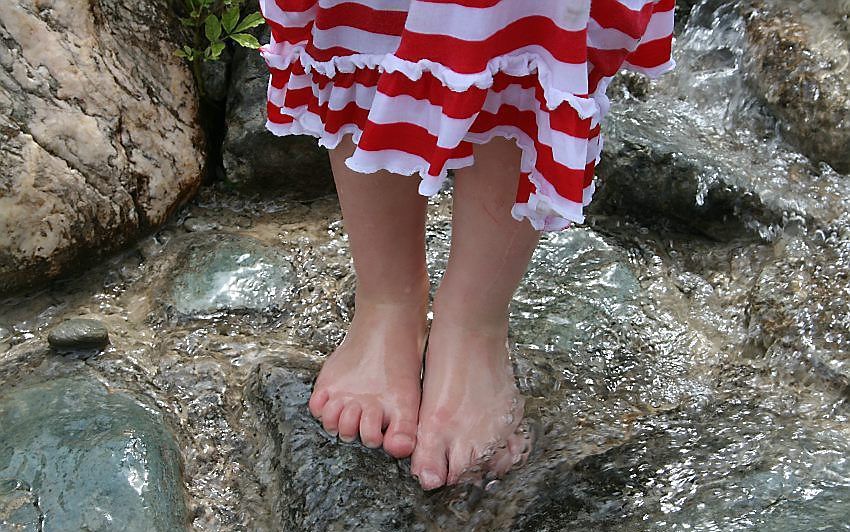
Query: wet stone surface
229, 273
79, 333
87, 459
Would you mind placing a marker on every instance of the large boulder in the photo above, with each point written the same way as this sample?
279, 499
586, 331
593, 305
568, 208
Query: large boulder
99, 139
75, 456
256, 160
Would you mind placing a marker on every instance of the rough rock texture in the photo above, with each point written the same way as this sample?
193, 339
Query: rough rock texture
798, 62
320, 484
256, 160
88, 458
98, 132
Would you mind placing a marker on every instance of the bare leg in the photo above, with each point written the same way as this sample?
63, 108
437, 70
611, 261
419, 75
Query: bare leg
371, 382
470, 403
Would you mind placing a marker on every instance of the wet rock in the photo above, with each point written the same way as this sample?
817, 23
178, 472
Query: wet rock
797, 63
98, 131
655, 174
799, 311
19, 507
255, 160
225, 273
319, 483
78, 333
199, 224
92, 459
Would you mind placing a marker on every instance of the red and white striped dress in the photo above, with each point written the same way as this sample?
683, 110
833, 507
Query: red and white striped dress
416, 82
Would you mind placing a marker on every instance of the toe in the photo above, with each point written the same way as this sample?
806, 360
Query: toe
460, 461
428, 464
349, 422
318, 400
330, 416
400, 438
370, 426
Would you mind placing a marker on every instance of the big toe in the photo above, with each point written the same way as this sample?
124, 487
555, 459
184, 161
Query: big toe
400, 438
429, 464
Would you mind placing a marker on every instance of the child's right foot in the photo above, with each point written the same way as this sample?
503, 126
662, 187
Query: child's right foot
370, 386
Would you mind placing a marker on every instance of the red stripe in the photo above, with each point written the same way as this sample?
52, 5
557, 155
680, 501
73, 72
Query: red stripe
565, 46
614, 15
406, 137
362, 17
295, 5
652, 54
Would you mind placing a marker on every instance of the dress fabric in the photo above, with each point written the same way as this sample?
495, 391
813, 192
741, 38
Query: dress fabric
417, 82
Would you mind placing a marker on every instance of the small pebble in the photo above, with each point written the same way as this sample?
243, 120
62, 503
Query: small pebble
198, 224
79, 333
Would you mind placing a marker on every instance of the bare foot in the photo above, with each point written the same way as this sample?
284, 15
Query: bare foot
370, 385
471, 407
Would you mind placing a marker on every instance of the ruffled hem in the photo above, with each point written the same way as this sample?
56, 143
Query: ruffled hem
545, 209
282, 55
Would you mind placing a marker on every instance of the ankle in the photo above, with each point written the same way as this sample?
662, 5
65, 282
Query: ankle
472, 316
413, 294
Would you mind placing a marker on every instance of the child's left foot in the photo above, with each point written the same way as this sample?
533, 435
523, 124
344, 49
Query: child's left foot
471, 407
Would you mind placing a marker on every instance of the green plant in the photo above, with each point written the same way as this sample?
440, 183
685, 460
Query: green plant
213, 23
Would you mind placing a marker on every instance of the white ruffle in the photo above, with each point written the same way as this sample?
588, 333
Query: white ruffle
546, 210
282, 55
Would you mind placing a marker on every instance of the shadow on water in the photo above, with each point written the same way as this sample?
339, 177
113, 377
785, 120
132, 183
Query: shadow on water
685, 354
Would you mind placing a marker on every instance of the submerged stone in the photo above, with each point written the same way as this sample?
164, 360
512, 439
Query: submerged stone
79, 333
74, 456
227, 272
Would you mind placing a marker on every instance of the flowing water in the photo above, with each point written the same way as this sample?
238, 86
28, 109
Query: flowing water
677, 380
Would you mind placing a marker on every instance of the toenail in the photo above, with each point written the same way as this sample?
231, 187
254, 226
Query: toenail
403, 439
332, 433
429, 479
347, 439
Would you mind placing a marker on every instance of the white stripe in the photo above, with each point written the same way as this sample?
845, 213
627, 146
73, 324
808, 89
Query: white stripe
660, 26
481, 23
288, 19
355, 39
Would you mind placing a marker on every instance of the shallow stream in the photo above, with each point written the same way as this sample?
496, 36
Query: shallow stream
678, 379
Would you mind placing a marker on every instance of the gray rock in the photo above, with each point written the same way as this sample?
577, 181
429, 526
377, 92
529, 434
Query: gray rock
199, 224
99, 139
320, 484
19, 507
797, 63
653, 172
88, 458
226, 272
78, 333
254, 159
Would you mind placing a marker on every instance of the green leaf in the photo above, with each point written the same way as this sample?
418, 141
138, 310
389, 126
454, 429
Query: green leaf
180, 53
230, 18
212, 28
215, 49
251, 21
245, 39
